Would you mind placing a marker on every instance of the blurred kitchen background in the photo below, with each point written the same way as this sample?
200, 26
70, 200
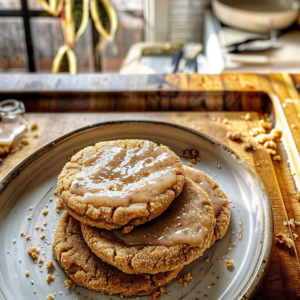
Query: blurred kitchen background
160, 36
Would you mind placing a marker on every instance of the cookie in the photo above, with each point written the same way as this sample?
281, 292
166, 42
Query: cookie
118, 183
87, 270
218, 198
174, 239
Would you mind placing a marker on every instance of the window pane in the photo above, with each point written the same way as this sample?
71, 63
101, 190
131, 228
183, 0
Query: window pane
48, 37
128, 5
34, 4
13, 57
129, 32
10, 4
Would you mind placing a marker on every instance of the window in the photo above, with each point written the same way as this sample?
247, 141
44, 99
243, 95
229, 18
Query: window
30, 38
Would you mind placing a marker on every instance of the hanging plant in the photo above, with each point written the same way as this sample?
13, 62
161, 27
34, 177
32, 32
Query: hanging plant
74, 15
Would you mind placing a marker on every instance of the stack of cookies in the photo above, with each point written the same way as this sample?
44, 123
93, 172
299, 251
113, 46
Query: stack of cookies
135, 216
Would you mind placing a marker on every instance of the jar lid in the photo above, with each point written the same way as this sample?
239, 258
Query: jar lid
11, 107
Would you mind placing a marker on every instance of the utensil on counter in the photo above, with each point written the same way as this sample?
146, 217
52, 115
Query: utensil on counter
256, 15
254, 44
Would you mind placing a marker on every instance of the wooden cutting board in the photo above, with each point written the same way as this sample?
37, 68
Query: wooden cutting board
282, 277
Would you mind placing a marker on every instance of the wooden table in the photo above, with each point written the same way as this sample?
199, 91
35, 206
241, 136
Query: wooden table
282, 278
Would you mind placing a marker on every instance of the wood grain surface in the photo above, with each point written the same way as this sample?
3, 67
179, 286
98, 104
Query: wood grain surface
282, 277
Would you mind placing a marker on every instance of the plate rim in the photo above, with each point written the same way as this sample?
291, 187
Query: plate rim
254, 280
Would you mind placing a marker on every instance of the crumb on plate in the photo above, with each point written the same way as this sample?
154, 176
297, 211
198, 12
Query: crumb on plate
33, 251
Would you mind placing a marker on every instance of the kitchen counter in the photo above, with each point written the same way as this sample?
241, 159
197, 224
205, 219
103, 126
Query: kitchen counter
61, 103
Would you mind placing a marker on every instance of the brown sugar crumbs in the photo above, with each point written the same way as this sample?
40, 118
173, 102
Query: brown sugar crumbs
191, 155
33, 252
229, 263
50, 278
70, 284
185, 278
50, 264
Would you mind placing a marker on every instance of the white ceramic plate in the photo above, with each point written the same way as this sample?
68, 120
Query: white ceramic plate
32, 182
256, 15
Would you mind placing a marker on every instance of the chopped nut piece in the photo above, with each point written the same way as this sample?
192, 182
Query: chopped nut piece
24, 141
283, 239
277, 157
33, 251
191, 155
27, 273
45, 211
248, 146
50, 264
50, 278
247, 116
43, 236
70, 284
295, 235
297, 223
28, 237
270, 144
34, 126
225, 121
50, 297
293, 126
262, 138
229, 263
234, 136
217, 165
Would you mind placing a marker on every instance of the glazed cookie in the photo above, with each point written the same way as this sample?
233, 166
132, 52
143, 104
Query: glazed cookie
218, 198
118, 183
87, 270
174, 239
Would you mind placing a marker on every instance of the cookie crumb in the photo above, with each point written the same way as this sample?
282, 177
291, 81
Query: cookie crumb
45, 223
229, 263
277, 157
24, 141
247, 116
281, 238
50, 297
42, 228
127, 229
35, 136
234, 136
30, 208
50, 264
270, 144
59, 204
225, 121
34, 291
44, 253
37, 227
185, 278
207, 260
50, 199
70, 284
29, 218
234, 244
154, 295
189, 164
55, 193
43, 236
46, 205
28, 237
45, 211
41, 261
14, 241
27, 273
22, 233
58, 211
34, 126
217, 165
50, 278
33, 252
32, 282
191, 155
